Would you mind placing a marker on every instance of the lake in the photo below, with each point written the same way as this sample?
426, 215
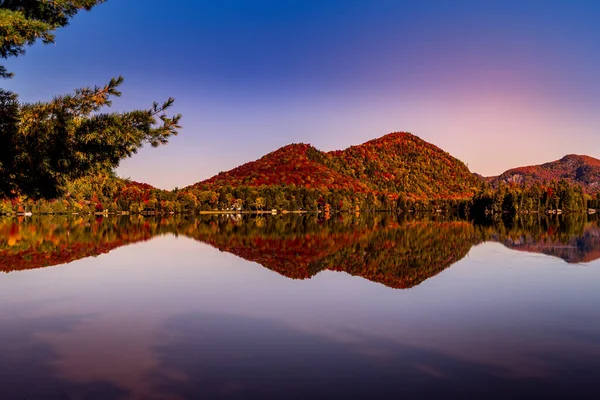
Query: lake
297, 306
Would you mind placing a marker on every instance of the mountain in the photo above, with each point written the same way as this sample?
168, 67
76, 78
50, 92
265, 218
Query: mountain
579, 169
396, 164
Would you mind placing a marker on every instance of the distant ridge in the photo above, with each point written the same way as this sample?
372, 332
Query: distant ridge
579, 169
397, 164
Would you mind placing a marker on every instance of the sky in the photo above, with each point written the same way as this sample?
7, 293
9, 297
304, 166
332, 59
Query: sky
497, 84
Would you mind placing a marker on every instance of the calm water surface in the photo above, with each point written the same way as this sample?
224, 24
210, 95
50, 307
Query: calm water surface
293, 307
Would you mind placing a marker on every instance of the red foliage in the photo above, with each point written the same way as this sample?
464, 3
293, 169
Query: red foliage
290, 165
583, 170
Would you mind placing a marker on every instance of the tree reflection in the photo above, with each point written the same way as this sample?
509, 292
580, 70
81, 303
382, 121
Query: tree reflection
574, 238
397, 251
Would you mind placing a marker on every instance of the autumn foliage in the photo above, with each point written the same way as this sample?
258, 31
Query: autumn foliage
396, 164
575, 169
399, 252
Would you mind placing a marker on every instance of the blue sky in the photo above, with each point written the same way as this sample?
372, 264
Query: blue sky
497, 84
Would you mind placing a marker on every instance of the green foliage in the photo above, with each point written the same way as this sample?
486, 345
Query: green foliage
554, 196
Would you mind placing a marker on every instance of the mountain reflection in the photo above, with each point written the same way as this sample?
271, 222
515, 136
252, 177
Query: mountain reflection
574, 238
399, 252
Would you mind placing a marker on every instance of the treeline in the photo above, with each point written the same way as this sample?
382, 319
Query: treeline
109, 194
505, 199
554, 196
98, 194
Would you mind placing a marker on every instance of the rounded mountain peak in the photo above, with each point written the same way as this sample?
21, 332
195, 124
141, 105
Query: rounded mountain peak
583, 159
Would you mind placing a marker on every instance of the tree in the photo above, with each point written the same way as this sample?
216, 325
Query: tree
259, 203
47, 144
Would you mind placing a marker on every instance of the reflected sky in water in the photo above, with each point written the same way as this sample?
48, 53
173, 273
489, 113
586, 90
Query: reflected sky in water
175, 318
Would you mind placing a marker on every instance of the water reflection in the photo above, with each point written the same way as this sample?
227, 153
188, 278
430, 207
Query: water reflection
398, 252
175, 318
27, 364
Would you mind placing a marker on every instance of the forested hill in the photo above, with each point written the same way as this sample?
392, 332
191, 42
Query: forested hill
295, 164
582, 170
405, 164
397, 164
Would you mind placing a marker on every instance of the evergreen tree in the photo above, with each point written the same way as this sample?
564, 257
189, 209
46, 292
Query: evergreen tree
47, 144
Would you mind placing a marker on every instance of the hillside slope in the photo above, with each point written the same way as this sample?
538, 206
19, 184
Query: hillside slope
583, 170
405, 164
398, 163
293, 164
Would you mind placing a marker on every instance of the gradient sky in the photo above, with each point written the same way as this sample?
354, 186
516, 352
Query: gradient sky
497, 84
